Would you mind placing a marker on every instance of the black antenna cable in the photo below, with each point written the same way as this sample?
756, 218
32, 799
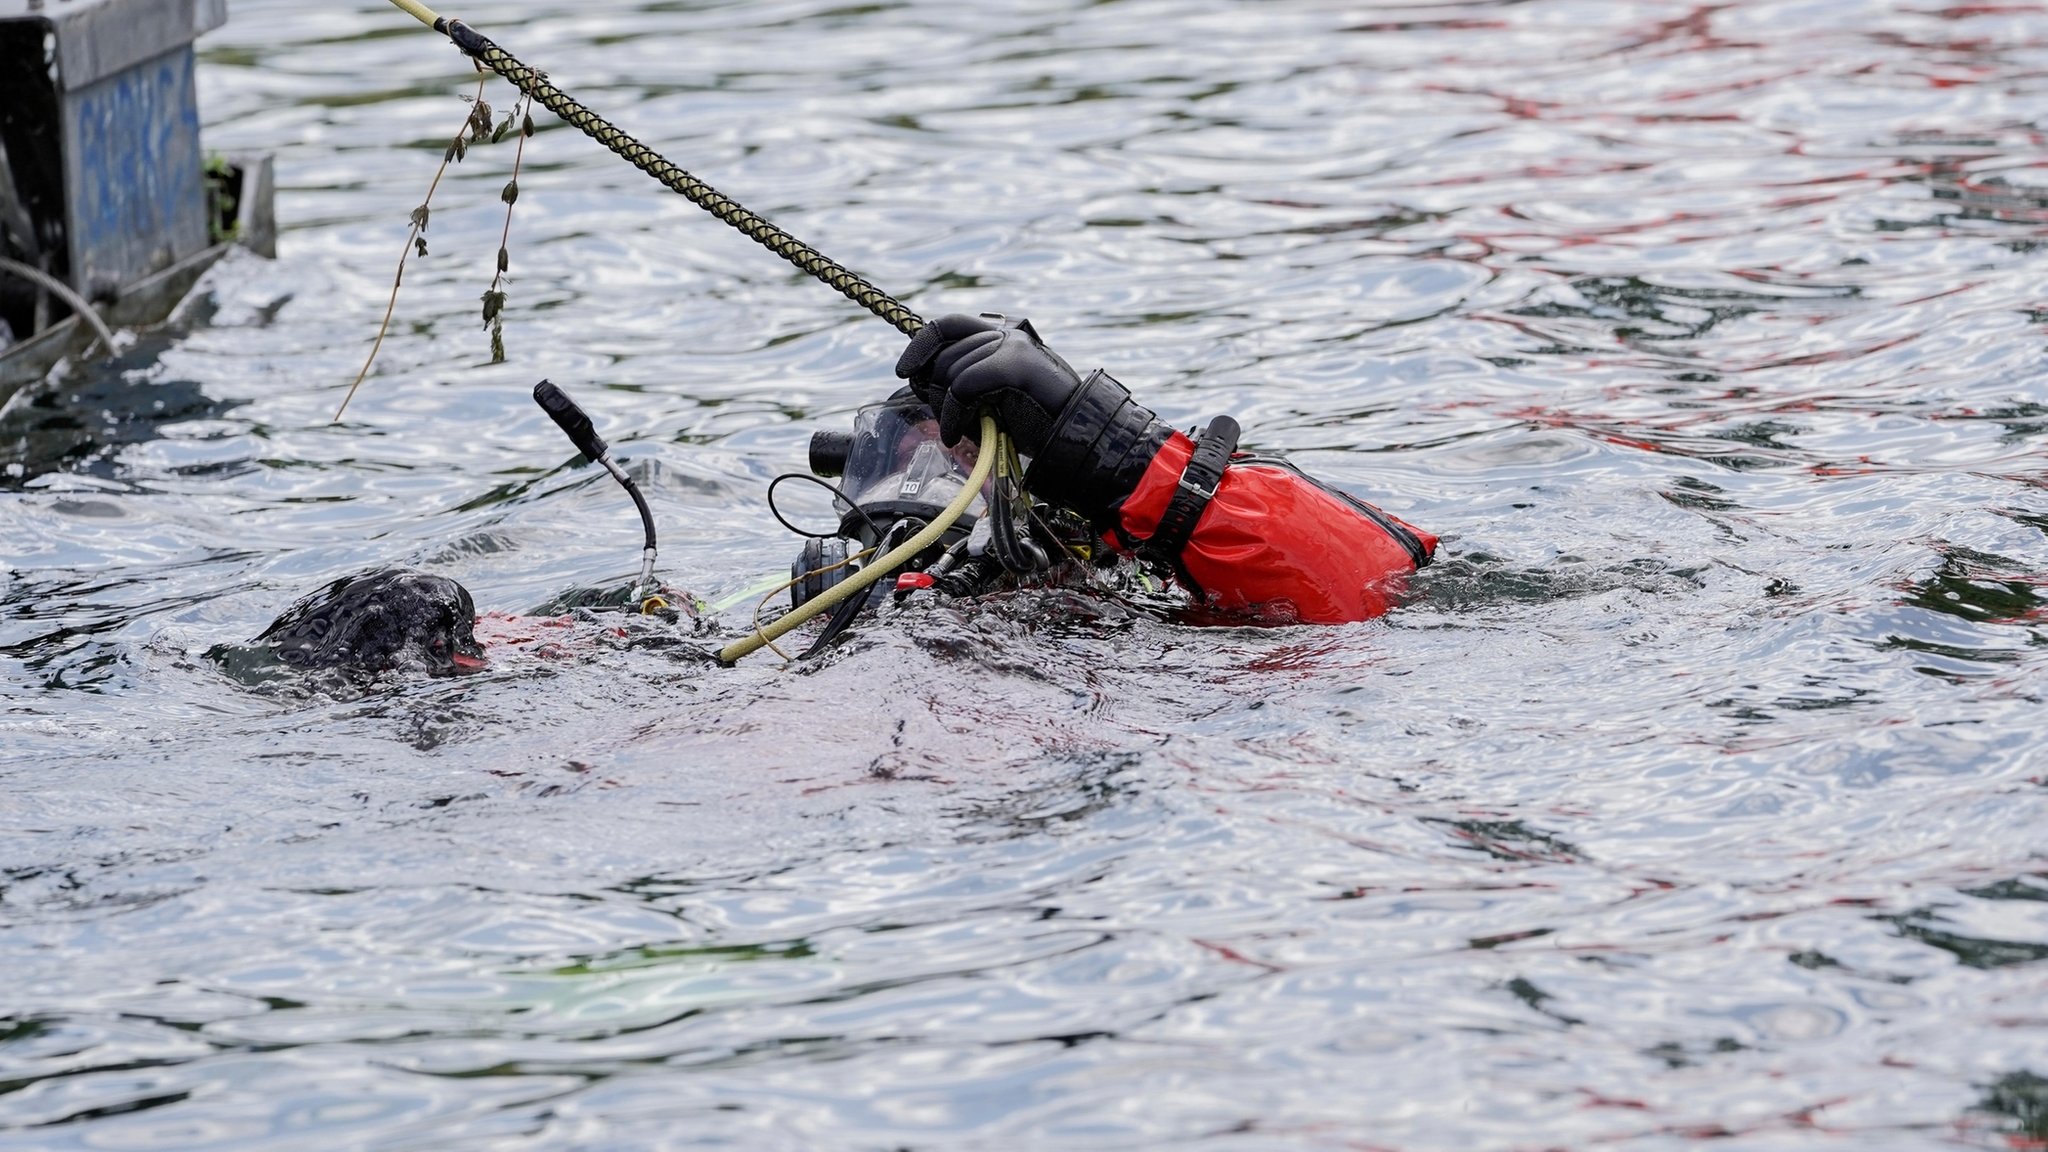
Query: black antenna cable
575, 423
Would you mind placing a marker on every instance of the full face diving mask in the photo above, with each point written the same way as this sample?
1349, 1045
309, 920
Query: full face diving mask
895, 476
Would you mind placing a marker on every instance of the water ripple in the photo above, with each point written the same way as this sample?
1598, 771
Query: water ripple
1696, 795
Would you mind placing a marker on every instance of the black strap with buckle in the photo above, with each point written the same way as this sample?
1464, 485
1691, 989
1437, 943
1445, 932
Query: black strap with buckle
1192, 495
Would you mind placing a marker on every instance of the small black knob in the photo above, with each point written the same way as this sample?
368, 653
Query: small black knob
828, 452
571, 419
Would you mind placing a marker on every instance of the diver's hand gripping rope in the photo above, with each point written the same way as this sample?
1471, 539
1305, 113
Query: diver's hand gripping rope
536, 85
993, 444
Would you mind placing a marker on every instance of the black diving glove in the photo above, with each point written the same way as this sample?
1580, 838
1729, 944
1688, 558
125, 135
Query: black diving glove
1089, 442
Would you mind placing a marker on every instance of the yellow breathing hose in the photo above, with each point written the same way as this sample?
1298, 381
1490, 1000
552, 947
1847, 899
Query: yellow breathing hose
420, 12
992, 445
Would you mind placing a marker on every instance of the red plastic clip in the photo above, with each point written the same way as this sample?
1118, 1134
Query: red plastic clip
912, 581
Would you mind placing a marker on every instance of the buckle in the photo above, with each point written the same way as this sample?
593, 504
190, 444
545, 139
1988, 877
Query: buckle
1197, 485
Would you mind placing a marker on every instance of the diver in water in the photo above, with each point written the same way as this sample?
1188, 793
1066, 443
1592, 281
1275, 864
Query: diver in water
1250, 537
1244, 534
389, 619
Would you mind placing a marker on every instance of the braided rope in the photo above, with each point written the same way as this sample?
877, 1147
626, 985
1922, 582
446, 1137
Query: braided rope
805, 257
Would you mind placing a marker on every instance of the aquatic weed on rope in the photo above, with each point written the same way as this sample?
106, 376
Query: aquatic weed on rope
476, 128
536, 86
494, 296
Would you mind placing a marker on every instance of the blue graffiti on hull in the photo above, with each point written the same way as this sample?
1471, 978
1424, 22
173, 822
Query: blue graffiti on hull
139, 202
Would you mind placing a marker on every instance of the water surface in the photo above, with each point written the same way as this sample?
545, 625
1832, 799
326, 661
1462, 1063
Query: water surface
1697, 799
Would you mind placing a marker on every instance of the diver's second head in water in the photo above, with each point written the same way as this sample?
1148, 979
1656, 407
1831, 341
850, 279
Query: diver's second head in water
393, 618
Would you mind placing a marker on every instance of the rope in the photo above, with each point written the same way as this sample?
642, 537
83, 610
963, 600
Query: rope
536, 85
63, 292
421, 13
755, 228
993, 444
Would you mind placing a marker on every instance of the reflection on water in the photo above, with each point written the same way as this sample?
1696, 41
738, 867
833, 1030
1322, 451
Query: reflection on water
1698, 795
2020, 1101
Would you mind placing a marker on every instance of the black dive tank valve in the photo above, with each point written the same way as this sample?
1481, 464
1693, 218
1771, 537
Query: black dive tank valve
809, 571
